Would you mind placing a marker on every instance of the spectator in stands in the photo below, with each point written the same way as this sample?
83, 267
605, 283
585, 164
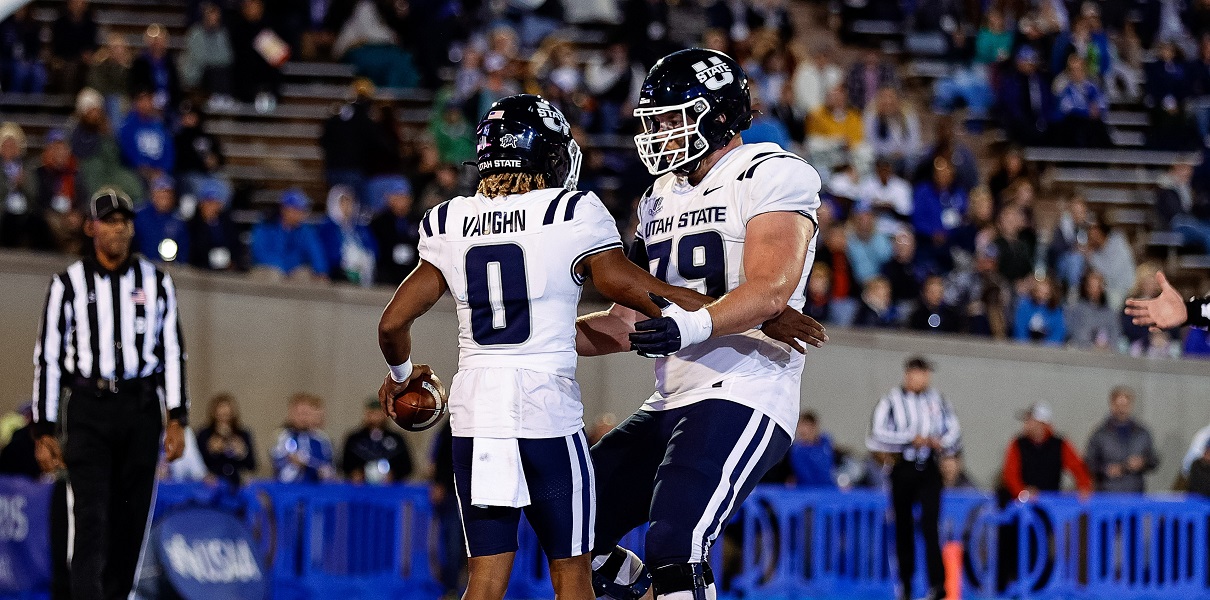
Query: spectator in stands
646, 27
1086, 41
905, 271
254, 78
845, 288
18, 456
835, 134
1016, 254
868, 75
868, 248
496, 84
22, 62
994, 41
1070, 235
811, 454
367, 39
1198, 72
347, 241
953, 473
818, 304
893, 130
384, 153
73, 40
160, 233
454, 134
978, 223
303, 452
1034, 462
21, 221
933, 314
877, 307
609, 77
207, 59
445, 185
947, 145
1166, 88
1010, 167
226, 445
109, 75
289, 246
1109, 253
966, 285
144, 141
888, 194
1180, 208
96, 150
54, 192
1040, 316
816, 73
1094, 322
938, 206
1121, 451
155, 70
373, 453
397, 231
766, 127
214, 242
1023, 100
199, 154
1080, 109
345, 139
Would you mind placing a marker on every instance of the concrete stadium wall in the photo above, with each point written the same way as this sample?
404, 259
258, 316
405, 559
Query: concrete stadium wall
263, 341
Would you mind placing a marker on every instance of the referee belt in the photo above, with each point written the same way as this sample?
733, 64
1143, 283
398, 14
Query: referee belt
114, 386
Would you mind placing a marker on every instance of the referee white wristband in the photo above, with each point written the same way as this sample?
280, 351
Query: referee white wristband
401, 373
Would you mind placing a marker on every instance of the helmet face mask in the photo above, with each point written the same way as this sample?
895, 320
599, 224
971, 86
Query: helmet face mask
670, 138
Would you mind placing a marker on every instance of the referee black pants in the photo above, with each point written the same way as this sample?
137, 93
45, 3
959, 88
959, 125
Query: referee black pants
917, 483
111, 451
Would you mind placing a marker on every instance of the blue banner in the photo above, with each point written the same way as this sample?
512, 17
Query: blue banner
24, 535
207, 554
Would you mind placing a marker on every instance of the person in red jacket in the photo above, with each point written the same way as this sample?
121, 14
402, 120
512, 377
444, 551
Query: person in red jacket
1035, 461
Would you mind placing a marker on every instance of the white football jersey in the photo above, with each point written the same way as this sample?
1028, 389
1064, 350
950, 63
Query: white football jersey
510, 264
693, 236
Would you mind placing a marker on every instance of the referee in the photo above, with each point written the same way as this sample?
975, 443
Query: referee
915, 425
109, 359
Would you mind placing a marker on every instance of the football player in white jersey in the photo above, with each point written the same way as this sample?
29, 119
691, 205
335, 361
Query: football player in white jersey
514, 257
736, 222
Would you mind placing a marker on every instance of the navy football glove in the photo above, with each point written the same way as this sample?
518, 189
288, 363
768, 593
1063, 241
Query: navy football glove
676, 329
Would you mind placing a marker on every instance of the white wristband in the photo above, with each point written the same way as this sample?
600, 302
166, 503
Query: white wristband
695, 327
401, 373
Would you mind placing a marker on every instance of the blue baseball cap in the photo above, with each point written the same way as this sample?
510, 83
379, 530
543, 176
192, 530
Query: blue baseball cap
295, 198
396, 185
1027, 53
211, 189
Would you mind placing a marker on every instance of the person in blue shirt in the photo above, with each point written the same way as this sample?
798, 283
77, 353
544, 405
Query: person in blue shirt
811, 454
289, 246
1080, 109
160, 233
1040, 315
144, 140
938, 207
868, 248
303, 452
214, 242
348, 244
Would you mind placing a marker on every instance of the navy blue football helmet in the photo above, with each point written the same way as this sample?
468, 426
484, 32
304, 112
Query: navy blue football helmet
692, 103
526, 134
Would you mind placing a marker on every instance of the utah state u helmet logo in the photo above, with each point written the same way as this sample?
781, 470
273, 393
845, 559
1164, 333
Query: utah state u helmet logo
715, 75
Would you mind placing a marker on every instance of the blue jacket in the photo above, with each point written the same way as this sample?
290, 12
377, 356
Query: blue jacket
152, 227
273, 246
146, 143
932, 206
1035, 322
313, 447
768, 129
812, 463
1078, 99
331, 236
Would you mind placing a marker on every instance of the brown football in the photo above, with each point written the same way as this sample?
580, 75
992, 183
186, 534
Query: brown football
421, 405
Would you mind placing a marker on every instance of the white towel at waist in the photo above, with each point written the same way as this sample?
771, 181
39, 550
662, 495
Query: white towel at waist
497, 477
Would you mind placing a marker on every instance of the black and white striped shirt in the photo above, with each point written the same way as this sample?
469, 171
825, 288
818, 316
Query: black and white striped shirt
901, 416
108, 325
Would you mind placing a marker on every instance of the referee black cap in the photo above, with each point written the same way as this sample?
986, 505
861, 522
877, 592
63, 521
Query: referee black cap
108, 201
917, 363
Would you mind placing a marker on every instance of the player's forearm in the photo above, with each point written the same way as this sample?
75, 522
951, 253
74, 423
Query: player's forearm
601, 333
748, 306
395, 341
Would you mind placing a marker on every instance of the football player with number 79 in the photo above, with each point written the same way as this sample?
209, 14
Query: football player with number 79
515, 257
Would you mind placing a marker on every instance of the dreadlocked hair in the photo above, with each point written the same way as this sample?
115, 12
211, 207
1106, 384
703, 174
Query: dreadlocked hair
503, 184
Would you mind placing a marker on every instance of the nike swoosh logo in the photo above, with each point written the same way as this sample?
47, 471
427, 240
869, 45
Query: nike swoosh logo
709, 190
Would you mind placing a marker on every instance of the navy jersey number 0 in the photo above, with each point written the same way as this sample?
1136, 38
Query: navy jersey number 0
498, 294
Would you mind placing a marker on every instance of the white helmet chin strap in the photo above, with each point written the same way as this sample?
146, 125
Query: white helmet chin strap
687, 143
573, 171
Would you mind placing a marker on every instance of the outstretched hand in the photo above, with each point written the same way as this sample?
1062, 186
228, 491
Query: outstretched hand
1162, 312
791, 326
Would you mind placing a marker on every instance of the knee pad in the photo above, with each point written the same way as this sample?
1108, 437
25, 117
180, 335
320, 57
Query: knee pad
683, 577
620, 575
